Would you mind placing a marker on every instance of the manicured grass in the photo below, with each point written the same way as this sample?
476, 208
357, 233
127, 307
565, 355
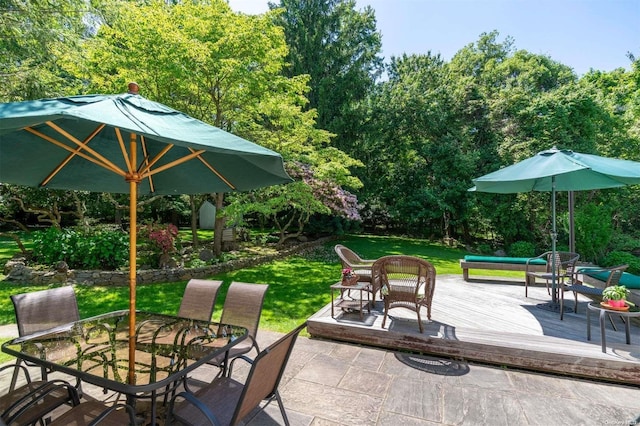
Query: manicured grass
298, 285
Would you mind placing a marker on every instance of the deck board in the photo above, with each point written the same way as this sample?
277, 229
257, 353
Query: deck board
492, 321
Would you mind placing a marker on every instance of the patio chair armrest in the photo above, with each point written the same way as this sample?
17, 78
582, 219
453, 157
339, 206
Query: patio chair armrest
245, 358
36, 396
130, 412
542, 256
191, 399
24, 370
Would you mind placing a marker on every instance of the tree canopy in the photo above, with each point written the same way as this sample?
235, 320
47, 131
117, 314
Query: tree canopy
393, 146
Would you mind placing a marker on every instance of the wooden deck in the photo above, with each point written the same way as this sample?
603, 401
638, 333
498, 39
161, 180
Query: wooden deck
491, 321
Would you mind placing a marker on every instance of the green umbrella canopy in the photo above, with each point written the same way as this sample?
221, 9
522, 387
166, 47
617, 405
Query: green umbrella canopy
559, 170
127, 144
80, 143
570, 170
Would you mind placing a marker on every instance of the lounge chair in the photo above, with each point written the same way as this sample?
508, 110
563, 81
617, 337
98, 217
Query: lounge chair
613, 276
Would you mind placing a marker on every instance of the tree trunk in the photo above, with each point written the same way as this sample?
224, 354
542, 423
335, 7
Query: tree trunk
218, 226
15, 238
194, 222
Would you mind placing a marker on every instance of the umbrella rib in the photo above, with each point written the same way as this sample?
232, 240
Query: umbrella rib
75, 152
99, 159
123, 149
210, 167
146, 161
146, 169
148, 172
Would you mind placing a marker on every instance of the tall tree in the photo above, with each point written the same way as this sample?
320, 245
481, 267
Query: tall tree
419, 164
221, 67
338, 47
37, 39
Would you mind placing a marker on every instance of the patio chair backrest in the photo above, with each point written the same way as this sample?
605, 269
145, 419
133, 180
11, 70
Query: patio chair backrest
615, 273
406, 278
199, 299
565, 262
348, 257
265, 374
243, 306
41, 310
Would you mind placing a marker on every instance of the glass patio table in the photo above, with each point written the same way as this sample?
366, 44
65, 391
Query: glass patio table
96, 350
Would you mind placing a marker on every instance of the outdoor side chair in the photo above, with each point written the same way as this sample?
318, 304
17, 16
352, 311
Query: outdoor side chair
361, 267
51, 395
613, 278
242, 307
17, 406
42, 310
565, 263
199, 299
405, 281
96, 413
226, 401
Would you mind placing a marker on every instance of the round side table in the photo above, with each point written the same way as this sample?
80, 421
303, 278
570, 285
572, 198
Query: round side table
626, 318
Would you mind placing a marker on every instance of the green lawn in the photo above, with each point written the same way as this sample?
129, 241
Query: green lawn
298, 285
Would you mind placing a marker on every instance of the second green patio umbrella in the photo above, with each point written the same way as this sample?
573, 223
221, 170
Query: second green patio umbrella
127, 144
560, 170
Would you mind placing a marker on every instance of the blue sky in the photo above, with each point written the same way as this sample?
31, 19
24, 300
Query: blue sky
582, 34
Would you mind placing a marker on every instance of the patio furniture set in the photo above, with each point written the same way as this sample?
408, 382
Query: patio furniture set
402, 281
168, 349
407, 281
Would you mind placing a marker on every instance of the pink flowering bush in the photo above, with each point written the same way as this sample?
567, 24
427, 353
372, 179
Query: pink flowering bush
159, 240
340, 201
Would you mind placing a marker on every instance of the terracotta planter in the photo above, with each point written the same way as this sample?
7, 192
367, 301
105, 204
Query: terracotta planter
352, 280
617, 303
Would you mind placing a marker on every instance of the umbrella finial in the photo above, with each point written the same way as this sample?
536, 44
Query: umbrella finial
133, 88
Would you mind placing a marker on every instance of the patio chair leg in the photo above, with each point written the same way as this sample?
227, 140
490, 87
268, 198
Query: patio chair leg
282, 411
14, 377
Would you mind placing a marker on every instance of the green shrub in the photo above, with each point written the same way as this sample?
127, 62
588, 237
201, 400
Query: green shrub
616, 258
95, 248
594, 230
522, 249
196, 263
485, 249
623, 242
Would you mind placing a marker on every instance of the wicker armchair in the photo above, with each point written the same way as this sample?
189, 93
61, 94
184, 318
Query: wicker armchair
226, 401
613, 278
361, 267
405, 281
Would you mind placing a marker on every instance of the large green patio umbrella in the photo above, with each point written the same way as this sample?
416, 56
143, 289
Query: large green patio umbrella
560, 170
126, 144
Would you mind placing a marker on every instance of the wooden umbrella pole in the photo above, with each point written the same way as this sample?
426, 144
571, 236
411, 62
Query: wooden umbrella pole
133, 179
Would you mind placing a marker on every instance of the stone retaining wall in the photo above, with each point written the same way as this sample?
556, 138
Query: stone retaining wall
17, 271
